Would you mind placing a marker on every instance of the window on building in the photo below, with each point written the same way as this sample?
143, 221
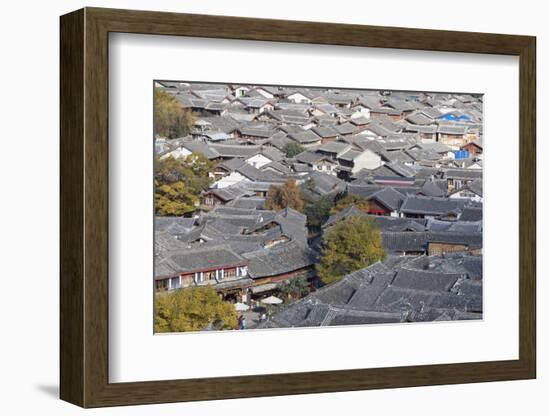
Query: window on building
161, 284
211, 275
199, 277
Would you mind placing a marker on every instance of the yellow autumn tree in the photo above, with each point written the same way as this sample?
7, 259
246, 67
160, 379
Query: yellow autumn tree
170, 119
193, 309
179, 183
348, 200
351, 244
287, 195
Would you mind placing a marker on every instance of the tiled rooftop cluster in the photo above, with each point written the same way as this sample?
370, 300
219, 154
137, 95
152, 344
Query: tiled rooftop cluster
269, 243
416, 158
401, 289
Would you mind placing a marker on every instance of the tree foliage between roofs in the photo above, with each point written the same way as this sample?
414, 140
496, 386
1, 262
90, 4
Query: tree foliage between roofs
193, 309
292, 149
317, 210
287, 195
351, 244
295, 288
170, 119
316, 207
179, 183
349, 200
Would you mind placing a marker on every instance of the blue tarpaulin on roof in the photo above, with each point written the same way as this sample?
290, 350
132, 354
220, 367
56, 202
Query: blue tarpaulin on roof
453, 117
461, 154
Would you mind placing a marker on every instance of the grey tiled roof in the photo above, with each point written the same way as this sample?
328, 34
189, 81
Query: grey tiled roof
452, 129
408, 241
309, 157
347, 212
401, 169
325, 184
423, 154
279, 140
430, 206
324, 131
457, 226
368, 174
290, 117
468, 174
397, 290
232, 164
423, 129
359, 121
197, 146
301, 167
425, 280
387, 110
400, 224
396, 156
280, 259
232, 150
230, 193
431, 112
279, 167
363, 190
472, 240
365, 318
257, 131
476, 186
335, 148
346, 128
419, 118
379, 129
437, 147
471, 214
389, 197
166, 243
304, 137
248, 203
174, 225
351, 155
207, 259
431, 188
257, 175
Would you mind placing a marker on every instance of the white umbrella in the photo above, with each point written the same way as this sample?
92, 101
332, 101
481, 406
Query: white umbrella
272, 300
241, 307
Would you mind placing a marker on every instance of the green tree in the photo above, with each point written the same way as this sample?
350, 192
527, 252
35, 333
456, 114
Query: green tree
179, 183
193, 309
352, 244
284, 196
348, 200
317, 210
170, 119
295, 288
292, 149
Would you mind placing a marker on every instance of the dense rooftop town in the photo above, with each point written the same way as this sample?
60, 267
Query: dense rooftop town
415, 159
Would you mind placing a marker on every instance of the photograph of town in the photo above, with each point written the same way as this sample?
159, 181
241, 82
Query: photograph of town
293, 207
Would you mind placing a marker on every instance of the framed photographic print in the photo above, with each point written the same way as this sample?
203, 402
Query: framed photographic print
255, 207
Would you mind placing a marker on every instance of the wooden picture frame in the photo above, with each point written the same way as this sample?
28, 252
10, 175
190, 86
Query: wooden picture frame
84, 207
